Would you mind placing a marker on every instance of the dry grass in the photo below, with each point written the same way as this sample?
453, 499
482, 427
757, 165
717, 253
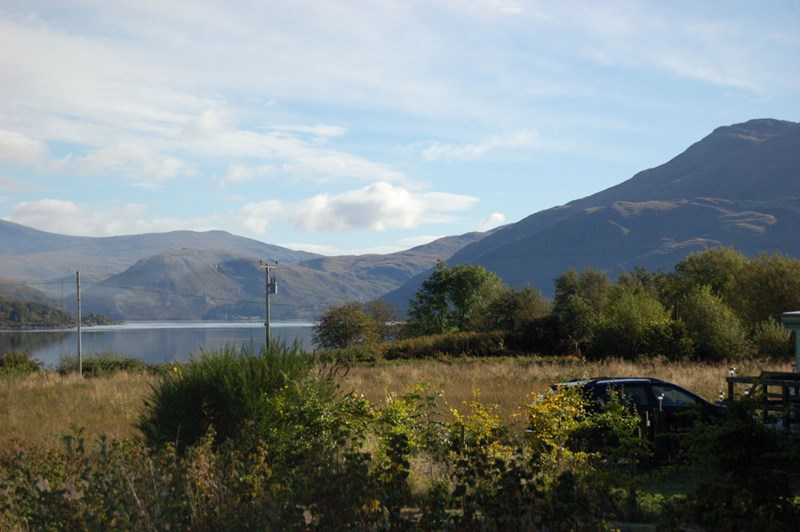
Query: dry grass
40, 409
509, 383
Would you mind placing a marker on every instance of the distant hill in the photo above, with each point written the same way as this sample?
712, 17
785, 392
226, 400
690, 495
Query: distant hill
12, 289
221, 284
739, 186
32, 256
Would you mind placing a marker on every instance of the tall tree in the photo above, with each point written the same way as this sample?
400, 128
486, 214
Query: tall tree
580, 302
449, 298
767, 286
344, 326
717, 268
386, 318
512, 309
714, 328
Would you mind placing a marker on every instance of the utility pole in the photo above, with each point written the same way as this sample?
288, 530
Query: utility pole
271, 287
80, 353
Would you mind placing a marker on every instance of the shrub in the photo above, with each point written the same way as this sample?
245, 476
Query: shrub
668, 339
715, 330
624, 331
101, 364
232, 391
451, 344
538, 336
750, 474
18, 363
349, 356
772, 340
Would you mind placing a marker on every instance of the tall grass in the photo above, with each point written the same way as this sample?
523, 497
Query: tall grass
40, 408
509, 383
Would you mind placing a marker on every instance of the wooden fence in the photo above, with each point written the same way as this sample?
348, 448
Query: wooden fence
775, 395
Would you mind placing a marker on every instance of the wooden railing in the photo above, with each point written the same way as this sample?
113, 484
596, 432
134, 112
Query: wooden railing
775, 395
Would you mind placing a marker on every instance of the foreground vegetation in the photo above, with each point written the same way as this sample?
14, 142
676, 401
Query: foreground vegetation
235, 440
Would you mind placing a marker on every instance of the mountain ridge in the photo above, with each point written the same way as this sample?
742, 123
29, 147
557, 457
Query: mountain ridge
738, 186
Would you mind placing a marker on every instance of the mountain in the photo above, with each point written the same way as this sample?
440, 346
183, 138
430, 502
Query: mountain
739, 186
31, 256
11, 289
221, 284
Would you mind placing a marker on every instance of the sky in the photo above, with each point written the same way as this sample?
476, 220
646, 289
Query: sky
353, 127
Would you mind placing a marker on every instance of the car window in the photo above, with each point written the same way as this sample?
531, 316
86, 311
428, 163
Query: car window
636, 394
674, 396
632, 393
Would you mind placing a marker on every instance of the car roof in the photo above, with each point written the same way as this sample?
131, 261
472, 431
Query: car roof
612, 380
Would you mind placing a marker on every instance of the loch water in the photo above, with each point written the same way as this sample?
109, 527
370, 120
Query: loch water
152, 342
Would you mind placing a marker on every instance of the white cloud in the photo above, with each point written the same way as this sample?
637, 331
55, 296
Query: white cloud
319, 130
728, 51
17, 148
496, 219
377, 207
256, 217
241, 173
208, 124
69, 218
285, 148
78, 219
137, 162
522, 139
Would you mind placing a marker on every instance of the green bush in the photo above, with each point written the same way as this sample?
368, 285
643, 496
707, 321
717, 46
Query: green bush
350, 355
237, 394
715, 330
668, 339
451, 344
18, 363
101, 364
749, 474
771, 340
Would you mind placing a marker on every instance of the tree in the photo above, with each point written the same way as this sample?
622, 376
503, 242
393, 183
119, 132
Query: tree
512, 309
449, 299
642, 280
717, 268
386, 318
345, 326
580, 302
767, 286
713, 327
624, 331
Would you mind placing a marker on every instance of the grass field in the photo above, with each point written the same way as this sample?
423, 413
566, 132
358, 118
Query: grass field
39, 410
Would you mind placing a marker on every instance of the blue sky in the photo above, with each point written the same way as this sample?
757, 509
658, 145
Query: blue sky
345, 127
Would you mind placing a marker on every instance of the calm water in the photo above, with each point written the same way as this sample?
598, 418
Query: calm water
152, 342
